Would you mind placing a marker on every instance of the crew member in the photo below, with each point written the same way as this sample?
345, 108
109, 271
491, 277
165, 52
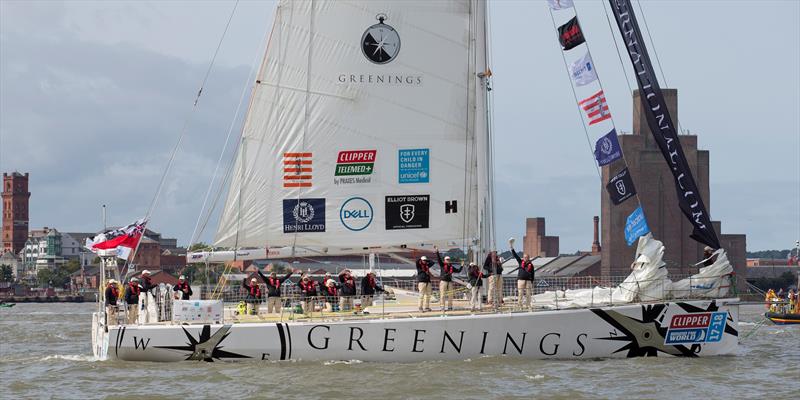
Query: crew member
183, 288
112, 294
147, 282
446, 281
475, 283
368, 288
525, 276
132, 299
347, 290
709, 258
494, 270
308, 291
331, 292
274, 290
253, 298
424, 283
792, 297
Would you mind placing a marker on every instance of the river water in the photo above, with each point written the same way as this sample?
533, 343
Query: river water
45, 352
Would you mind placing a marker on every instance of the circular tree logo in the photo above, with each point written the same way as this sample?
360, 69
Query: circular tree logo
380, 42
356, 214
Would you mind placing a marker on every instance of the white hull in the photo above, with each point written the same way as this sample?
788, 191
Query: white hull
617, 331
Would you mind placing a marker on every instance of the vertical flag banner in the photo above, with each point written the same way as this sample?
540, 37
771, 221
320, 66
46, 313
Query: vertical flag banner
636, 226
620, 187
582, 71
661, 125
596, 108
607, 149
559, 4
570, 35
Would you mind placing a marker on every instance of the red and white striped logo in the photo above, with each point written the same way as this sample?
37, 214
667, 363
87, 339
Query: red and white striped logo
296, 170
596, 108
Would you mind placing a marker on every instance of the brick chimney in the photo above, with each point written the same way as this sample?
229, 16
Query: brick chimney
596, 242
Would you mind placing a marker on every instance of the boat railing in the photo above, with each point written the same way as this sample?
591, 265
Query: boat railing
399, 298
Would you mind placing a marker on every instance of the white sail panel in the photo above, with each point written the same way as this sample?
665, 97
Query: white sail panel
361, 131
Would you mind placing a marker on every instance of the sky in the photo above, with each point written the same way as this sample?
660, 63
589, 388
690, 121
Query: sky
93, 95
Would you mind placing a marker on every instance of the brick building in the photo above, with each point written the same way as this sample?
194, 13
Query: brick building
655, 186
536, 243
15, 196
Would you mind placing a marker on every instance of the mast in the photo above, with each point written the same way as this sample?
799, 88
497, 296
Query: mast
661, 126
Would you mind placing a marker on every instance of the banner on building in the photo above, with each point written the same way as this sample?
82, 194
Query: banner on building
661, 126
636, 226
570, 35
123, 240
620, 187
596, 108
582, 71
560, 4
607, 148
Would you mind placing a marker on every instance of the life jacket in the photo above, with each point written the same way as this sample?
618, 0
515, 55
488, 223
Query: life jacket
448, 268
255, 291
135, 289
528, 265
308, 287
114, 291
331, 290
371, 280
274, 282
182, 286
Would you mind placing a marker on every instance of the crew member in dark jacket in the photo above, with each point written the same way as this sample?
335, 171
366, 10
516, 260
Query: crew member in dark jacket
424, 283
347, 290
494, 271
368, 288
274, 283
147, 282
525, 275
253, 298
132, 293
183, 288
446, 281
475, 283
308, 291
112, 294
331, 293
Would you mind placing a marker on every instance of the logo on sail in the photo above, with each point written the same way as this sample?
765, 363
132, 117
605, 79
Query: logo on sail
380, 43
356, 214
296, 170
303, 215
407, 212
414, 165
354, 166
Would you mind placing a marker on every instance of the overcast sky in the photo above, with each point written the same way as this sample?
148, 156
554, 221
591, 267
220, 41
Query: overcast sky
93, 95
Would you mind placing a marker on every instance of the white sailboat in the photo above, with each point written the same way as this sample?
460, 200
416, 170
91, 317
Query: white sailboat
368, 131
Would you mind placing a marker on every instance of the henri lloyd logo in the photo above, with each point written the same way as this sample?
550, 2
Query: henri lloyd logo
356, 214
380, 44
303, 215
354, 166
407, 212
696, 328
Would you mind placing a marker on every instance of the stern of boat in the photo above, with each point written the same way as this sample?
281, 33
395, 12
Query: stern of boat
99, 336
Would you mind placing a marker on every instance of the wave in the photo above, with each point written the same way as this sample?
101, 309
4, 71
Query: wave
534, 377
345, 362
70, 357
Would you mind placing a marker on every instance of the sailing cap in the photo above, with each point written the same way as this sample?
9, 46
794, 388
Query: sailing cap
253, 280
181, 277
423, 258
146, 272
447, 258
134, 279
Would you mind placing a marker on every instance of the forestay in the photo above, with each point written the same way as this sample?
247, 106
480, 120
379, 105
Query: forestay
367, 128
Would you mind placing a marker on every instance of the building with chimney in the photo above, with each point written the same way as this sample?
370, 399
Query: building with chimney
535, 243
656, 189
15, 197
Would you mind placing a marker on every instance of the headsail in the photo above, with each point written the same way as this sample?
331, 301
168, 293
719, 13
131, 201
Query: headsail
661, 125
365, 129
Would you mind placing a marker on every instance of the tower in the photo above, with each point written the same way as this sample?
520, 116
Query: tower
15, 211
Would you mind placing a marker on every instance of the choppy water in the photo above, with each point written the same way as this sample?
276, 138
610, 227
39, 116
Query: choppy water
45, 352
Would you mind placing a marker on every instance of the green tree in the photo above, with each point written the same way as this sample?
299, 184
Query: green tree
72, 266
6, 275
199, 246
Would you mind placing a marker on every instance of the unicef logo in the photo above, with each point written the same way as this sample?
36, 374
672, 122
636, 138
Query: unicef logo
356, 214
303, 212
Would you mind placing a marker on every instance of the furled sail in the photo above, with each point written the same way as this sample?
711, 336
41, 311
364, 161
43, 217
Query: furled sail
367, 128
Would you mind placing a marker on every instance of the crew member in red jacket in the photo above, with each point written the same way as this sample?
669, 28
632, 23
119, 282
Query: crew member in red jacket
253, 298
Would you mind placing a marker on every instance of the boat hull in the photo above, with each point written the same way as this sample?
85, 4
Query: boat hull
783, 319
691, 328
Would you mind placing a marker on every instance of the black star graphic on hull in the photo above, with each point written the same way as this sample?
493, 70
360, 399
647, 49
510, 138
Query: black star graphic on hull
207, 347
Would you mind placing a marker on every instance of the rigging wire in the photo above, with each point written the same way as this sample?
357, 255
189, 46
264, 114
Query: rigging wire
185, 128
619, 56
247, 85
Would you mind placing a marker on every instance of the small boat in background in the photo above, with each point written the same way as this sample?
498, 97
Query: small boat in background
7, 305
783, 318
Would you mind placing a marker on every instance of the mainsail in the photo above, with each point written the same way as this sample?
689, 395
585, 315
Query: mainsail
367, 129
